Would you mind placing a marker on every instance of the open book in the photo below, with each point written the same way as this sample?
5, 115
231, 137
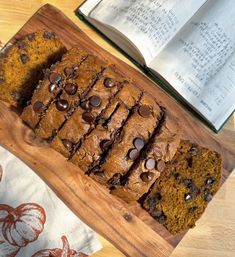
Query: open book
189, 44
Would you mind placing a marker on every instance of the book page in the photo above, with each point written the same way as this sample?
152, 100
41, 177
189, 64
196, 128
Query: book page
148, 24
199, 62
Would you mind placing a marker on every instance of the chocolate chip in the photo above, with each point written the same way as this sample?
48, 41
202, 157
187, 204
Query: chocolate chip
133, 154
71, 88
48, 35
209, 181
115, 180
85, 105
104, 144
24, 58
108, 82
150, 164
138, 143
55, 78
192, 209
88, 117
187, 197
194, 150
68, 71
21, 45
95, 101
144, 111
187, 182
190, 162
31, 37
38, 107
207, 196
52, 88
147, 176
62, 105
161, 165
67, 144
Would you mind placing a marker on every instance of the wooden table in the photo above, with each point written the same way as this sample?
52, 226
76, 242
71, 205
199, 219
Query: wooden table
214, 235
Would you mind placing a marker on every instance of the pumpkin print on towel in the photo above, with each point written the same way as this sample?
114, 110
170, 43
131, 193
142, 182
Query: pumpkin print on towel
56, 252
19, 226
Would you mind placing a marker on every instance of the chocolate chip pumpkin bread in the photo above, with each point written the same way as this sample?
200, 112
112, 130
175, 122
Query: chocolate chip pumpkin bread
74, 89
51, 86
151, 164
22, 64
124, 151
102, 137
180, 195
87, 114
121, 137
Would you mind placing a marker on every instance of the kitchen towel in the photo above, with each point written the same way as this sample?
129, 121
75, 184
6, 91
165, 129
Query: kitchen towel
34, 222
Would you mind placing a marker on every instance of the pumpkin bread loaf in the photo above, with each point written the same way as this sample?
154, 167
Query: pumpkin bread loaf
51, 86
151, 164
123, 138
180, 195
22, 64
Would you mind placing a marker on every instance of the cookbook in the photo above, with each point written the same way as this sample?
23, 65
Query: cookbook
187, 45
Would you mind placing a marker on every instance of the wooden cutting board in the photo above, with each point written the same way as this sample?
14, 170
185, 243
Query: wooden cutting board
128, 227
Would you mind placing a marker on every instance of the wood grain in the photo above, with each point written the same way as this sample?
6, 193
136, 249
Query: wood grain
134, 238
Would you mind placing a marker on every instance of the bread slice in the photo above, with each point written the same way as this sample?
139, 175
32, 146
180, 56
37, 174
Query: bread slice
22, 64
124, 152
74, 90
180, 195
52, 84
161, 149
97, 143
88, 112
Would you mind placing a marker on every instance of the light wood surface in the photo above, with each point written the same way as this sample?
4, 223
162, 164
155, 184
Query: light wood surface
215, 232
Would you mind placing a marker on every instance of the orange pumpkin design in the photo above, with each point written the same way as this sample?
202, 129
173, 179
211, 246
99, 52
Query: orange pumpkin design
24, 224
19, 226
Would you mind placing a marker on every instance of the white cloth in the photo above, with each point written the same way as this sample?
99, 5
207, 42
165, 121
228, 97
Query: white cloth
21, 187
